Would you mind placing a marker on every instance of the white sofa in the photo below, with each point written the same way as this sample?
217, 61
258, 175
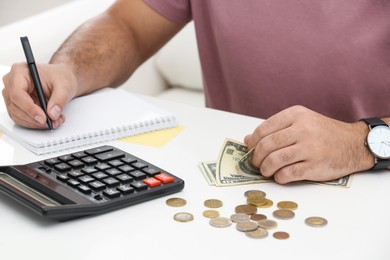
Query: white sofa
173, 73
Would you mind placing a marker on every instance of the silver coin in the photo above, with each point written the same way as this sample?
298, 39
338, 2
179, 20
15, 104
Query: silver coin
239, 217
247, 226
220, 222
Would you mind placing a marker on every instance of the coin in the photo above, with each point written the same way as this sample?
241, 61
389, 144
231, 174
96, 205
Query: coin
210, 213
256, 201
252, 193
257, 233
246, 209
287, 205
239, 217
183, 217
283, 214
176, 202
257, 217
220, 222
316, 221
269, 203
267, 224
247, 226
281, 235
213, 203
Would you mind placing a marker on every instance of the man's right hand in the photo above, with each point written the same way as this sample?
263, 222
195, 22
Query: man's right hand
21, 100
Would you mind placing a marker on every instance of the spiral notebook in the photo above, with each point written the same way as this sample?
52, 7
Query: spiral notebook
102, 116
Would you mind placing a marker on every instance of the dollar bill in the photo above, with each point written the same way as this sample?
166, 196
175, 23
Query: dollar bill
234, 167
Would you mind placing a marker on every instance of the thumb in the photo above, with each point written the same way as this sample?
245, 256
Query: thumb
57, 102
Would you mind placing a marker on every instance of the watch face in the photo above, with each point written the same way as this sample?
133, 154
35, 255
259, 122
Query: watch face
378, 140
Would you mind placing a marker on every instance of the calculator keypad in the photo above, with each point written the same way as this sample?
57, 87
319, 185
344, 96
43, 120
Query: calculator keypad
106, 173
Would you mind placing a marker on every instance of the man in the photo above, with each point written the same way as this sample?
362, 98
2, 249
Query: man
312, 68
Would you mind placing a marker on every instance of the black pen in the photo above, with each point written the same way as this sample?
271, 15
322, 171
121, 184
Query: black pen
35, 76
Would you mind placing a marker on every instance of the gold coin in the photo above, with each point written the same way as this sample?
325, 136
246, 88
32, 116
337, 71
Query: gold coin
183, 217
246, 209
316, 222
269, 203
239, 217
256, 201
291, 205
247, 226
210, 213
257, 233
176, 202
220, 222
254, 193
281, 235
213, 203
257, 217
267, 224
283, 214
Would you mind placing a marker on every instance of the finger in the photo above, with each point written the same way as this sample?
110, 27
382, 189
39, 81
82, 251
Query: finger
275, 123
271, 143
291, 173
280, 159
57, 102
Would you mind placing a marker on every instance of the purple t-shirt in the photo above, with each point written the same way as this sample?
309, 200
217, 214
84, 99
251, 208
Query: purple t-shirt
259, 57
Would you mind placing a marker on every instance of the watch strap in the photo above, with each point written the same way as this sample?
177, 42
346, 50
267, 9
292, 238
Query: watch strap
373, 122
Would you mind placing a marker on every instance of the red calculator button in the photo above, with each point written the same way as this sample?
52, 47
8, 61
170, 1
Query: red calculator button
164, 178
152, 182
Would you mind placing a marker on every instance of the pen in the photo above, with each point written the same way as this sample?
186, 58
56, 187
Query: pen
35, 76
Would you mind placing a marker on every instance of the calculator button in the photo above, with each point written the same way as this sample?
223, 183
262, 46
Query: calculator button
84, 189
129, 159
79, 155
98, 150
62, 167
111, 193
164, 178
124, 178
75, 174
62, 177
73, 183
99, 175
65, 158
111, 182
138, 175
97, 185
85, 179
126, 168
89, 160
76, 164
113, 172
115, 163
151, 171
102, 166
108, 156
139, 165
88, 170
139, 186
124, 189
51, 162
152, 182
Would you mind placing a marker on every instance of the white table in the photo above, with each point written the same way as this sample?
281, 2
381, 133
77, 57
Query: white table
359, 218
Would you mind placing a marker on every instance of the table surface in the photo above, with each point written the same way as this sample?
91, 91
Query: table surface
358, 217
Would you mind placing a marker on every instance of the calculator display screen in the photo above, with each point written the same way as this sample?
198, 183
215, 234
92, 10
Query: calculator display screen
27, 191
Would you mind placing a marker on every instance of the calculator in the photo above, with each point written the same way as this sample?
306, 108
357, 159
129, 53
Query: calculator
88, 182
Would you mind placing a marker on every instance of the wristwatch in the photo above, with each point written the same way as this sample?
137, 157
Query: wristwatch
378, 142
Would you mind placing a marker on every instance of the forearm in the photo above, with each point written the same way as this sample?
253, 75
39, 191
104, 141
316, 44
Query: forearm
105, 51
100, 53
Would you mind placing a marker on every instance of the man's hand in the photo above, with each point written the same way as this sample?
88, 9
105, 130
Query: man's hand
21, 99
300, 144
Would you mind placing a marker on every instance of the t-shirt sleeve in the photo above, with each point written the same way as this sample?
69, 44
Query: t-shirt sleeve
176, 10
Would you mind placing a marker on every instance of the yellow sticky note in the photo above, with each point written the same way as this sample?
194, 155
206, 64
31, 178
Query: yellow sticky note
156, 138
